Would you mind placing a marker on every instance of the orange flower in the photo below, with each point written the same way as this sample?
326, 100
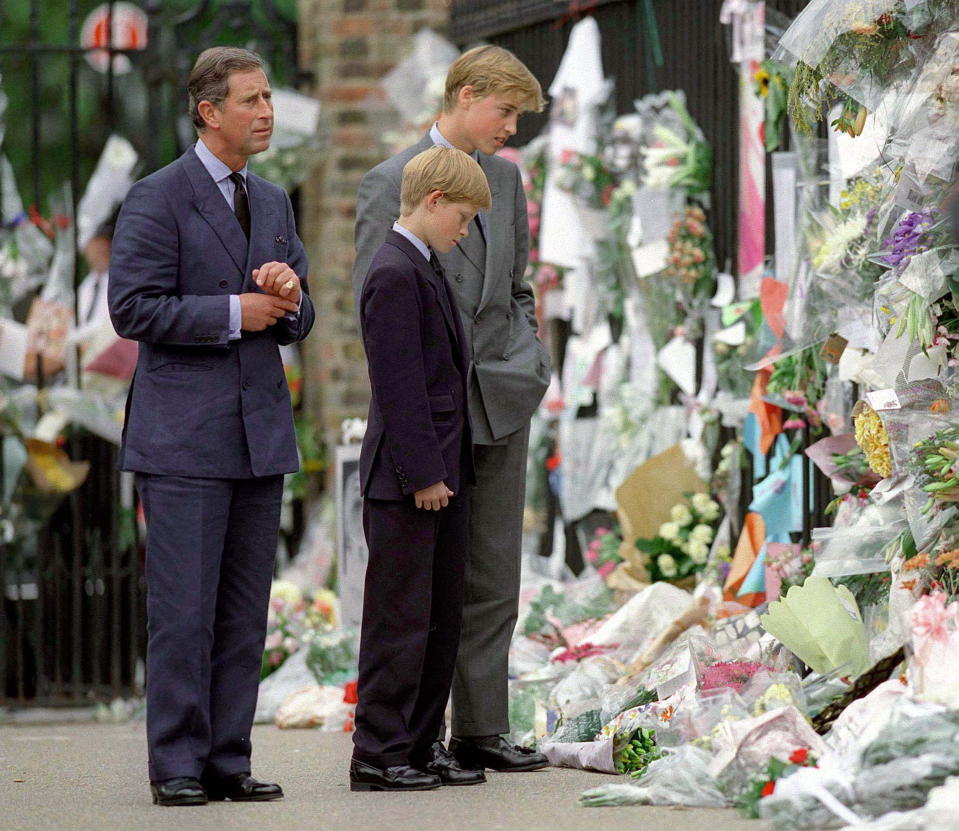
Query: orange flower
948, 559
940, 405
667, 714
917, 562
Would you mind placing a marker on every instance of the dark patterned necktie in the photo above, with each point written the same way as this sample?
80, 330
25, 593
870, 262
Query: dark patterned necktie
241, 203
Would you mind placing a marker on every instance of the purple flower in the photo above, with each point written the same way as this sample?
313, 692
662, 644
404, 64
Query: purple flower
910, 237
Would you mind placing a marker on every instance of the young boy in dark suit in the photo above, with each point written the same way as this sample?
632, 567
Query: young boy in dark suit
415, 471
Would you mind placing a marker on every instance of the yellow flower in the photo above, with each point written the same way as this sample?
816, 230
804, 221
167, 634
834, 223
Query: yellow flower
872, 437
762, 79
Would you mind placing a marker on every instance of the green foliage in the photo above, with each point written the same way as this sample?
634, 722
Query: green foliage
635, 756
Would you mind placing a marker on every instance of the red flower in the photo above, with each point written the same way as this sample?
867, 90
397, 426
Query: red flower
553, 462
768, 788
349, 693
799, 756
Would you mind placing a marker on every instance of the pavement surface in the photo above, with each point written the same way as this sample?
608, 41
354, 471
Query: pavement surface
92, 777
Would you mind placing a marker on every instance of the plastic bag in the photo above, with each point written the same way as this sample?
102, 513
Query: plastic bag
810, 798
679, 778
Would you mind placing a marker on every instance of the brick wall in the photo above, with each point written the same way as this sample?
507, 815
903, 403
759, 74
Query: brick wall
348, 45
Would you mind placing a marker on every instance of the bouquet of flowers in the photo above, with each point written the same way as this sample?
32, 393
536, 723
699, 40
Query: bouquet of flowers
849, 54
690, 257
602, 553
293, 621
731, 674
633, 752
761, 786
681, 548
678, 156
872, 438
587, 177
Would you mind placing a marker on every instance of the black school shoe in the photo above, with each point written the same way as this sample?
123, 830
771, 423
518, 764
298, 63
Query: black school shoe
443, 764
180, 790
239, 787
495, 753
364, 777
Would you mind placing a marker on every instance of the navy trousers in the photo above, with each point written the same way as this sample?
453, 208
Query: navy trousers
412, 615
211, 545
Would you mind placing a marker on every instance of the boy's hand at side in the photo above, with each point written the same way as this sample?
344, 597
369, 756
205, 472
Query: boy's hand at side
434, 497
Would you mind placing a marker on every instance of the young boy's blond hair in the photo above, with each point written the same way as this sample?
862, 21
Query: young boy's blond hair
493, 70
446, 169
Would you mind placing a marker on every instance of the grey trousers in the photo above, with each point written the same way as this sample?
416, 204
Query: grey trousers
480, 684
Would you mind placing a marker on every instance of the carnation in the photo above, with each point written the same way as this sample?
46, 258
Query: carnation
702, 533
669, 531
698, 551
681, 515
667, 565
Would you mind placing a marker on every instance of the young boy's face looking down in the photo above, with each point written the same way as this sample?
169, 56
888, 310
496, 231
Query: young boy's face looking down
445, 223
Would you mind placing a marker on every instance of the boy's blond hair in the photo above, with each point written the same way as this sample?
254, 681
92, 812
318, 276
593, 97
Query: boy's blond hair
446, 169
493, 70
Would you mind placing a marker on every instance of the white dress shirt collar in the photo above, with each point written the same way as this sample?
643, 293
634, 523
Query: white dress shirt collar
421, 246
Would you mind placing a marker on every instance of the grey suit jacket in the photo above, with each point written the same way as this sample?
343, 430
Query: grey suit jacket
510, 367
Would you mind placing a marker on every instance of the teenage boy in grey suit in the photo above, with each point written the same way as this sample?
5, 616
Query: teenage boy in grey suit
487, 89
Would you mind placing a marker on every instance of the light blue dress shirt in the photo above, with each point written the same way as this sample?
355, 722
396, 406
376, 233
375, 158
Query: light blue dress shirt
421, 246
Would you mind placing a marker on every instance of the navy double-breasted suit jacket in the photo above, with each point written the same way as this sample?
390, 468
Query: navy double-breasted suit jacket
200, 404
418, 431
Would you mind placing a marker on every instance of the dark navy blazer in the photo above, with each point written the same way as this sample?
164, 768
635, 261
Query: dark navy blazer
200, 404
418, 432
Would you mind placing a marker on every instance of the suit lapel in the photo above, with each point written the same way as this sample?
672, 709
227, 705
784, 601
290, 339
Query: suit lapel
262, 229
435, 281
214, 210
498, 220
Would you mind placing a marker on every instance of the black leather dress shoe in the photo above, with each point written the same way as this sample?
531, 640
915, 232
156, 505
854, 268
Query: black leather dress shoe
181, 790
240, 787
364, 777
494, 752
444, 765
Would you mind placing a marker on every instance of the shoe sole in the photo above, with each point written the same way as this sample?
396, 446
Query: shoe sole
369, 786
264, 798
511, 769
177, 803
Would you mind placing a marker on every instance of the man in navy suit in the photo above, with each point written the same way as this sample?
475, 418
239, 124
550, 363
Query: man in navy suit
208, 274
416, 467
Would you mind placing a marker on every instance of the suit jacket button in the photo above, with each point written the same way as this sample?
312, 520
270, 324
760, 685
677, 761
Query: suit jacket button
458, 278
506, 356
223, 284
247, 385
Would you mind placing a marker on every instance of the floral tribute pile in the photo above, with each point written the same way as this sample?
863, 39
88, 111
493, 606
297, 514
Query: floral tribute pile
767, 473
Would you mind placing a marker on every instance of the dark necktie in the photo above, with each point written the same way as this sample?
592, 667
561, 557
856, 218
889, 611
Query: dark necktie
436, 265
241, 203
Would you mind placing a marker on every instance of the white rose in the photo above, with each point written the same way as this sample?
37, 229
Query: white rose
698, 551
702, 533
667, 565
681, 514
669, 531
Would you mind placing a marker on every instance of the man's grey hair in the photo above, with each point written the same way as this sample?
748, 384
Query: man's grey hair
210, 77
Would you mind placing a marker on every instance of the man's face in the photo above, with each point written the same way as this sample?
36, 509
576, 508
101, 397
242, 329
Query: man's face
449, 222
246, 121
491, 121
